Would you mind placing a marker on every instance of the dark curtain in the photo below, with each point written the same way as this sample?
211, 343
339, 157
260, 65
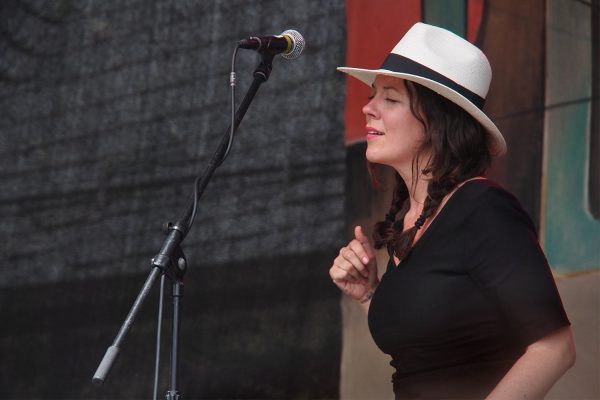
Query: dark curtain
108, 110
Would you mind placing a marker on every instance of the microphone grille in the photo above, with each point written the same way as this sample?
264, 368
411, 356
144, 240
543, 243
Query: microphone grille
297, 44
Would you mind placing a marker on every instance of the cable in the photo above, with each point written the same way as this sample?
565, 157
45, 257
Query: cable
232, 81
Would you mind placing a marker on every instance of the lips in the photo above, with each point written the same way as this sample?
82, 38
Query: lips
371, 132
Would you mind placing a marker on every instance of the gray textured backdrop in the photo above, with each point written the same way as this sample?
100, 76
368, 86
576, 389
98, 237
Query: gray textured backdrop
108, 110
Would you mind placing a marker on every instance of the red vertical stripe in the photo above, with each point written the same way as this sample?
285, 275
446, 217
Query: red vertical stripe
474, 17
373, 29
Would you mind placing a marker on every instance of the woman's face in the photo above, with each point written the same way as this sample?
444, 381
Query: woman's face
394, 135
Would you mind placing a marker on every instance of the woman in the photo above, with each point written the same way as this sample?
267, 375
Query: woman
467, 307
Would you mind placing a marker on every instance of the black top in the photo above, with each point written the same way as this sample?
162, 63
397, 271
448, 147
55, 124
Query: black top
473, 293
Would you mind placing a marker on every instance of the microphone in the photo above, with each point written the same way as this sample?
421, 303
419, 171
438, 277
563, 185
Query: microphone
290, 44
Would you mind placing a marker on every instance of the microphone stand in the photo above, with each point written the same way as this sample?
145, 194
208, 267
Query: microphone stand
171, 261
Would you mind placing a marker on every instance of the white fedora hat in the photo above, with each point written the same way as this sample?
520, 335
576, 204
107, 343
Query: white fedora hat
445, 63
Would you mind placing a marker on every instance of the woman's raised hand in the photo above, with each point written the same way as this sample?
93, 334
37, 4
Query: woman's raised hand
354, 270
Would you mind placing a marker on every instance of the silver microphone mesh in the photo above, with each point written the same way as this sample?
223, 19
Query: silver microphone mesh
297, 44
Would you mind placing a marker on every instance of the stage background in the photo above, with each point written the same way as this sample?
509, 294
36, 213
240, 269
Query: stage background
109, 109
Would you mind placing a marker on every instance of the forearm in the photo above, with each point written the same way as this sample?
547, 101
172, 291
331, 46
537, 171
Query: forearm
534, 374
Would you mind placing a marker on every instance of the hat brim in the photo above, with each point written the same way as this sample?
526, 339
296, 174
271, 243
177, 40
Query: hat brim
497, 144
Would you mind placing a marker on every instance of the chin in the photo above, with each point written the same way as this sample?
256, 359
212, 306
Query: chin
375, 157
372, 158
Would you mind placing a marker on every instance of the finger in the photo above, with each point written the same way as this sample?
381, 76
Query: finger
352, 273
358, 256
348, 269
341, 276
364, 240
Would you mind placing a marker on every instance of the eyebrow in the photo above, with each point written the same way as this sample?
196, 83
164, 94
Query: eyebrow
385, 88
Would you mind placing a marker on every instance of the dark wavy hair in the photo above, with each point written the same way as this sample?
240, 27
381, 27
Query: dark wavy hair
458, 148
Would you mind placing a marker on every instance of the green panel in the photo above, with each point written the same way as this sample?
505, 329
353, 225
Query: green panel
449, 14
570, 235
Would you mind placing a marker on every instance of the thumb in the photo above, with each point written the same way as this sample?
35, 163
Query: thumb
364, 240
366, 243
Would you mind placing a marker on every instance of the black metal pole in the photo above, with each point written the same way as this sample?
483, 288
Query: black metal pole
158, 336
173, 394
261, 74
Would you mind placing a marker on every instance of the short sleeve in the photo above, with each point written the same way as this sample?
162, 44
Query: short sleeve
508, 264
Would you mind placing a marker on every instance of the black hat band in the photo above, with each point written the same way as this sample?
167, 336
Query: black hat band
397, 63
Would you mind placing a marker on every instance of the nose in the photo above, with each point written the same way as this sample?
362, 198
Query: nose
369, 109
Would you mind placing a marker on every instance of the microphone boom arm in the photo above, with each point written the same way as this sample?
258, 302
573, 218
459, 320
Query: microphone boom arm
168, 261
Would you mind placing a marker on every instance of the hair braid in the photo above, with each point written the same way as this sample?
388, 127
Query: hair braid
401, 241
383, 230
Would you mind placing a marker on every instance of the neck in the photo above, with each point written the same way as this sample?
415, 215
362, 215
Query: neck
417, 189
